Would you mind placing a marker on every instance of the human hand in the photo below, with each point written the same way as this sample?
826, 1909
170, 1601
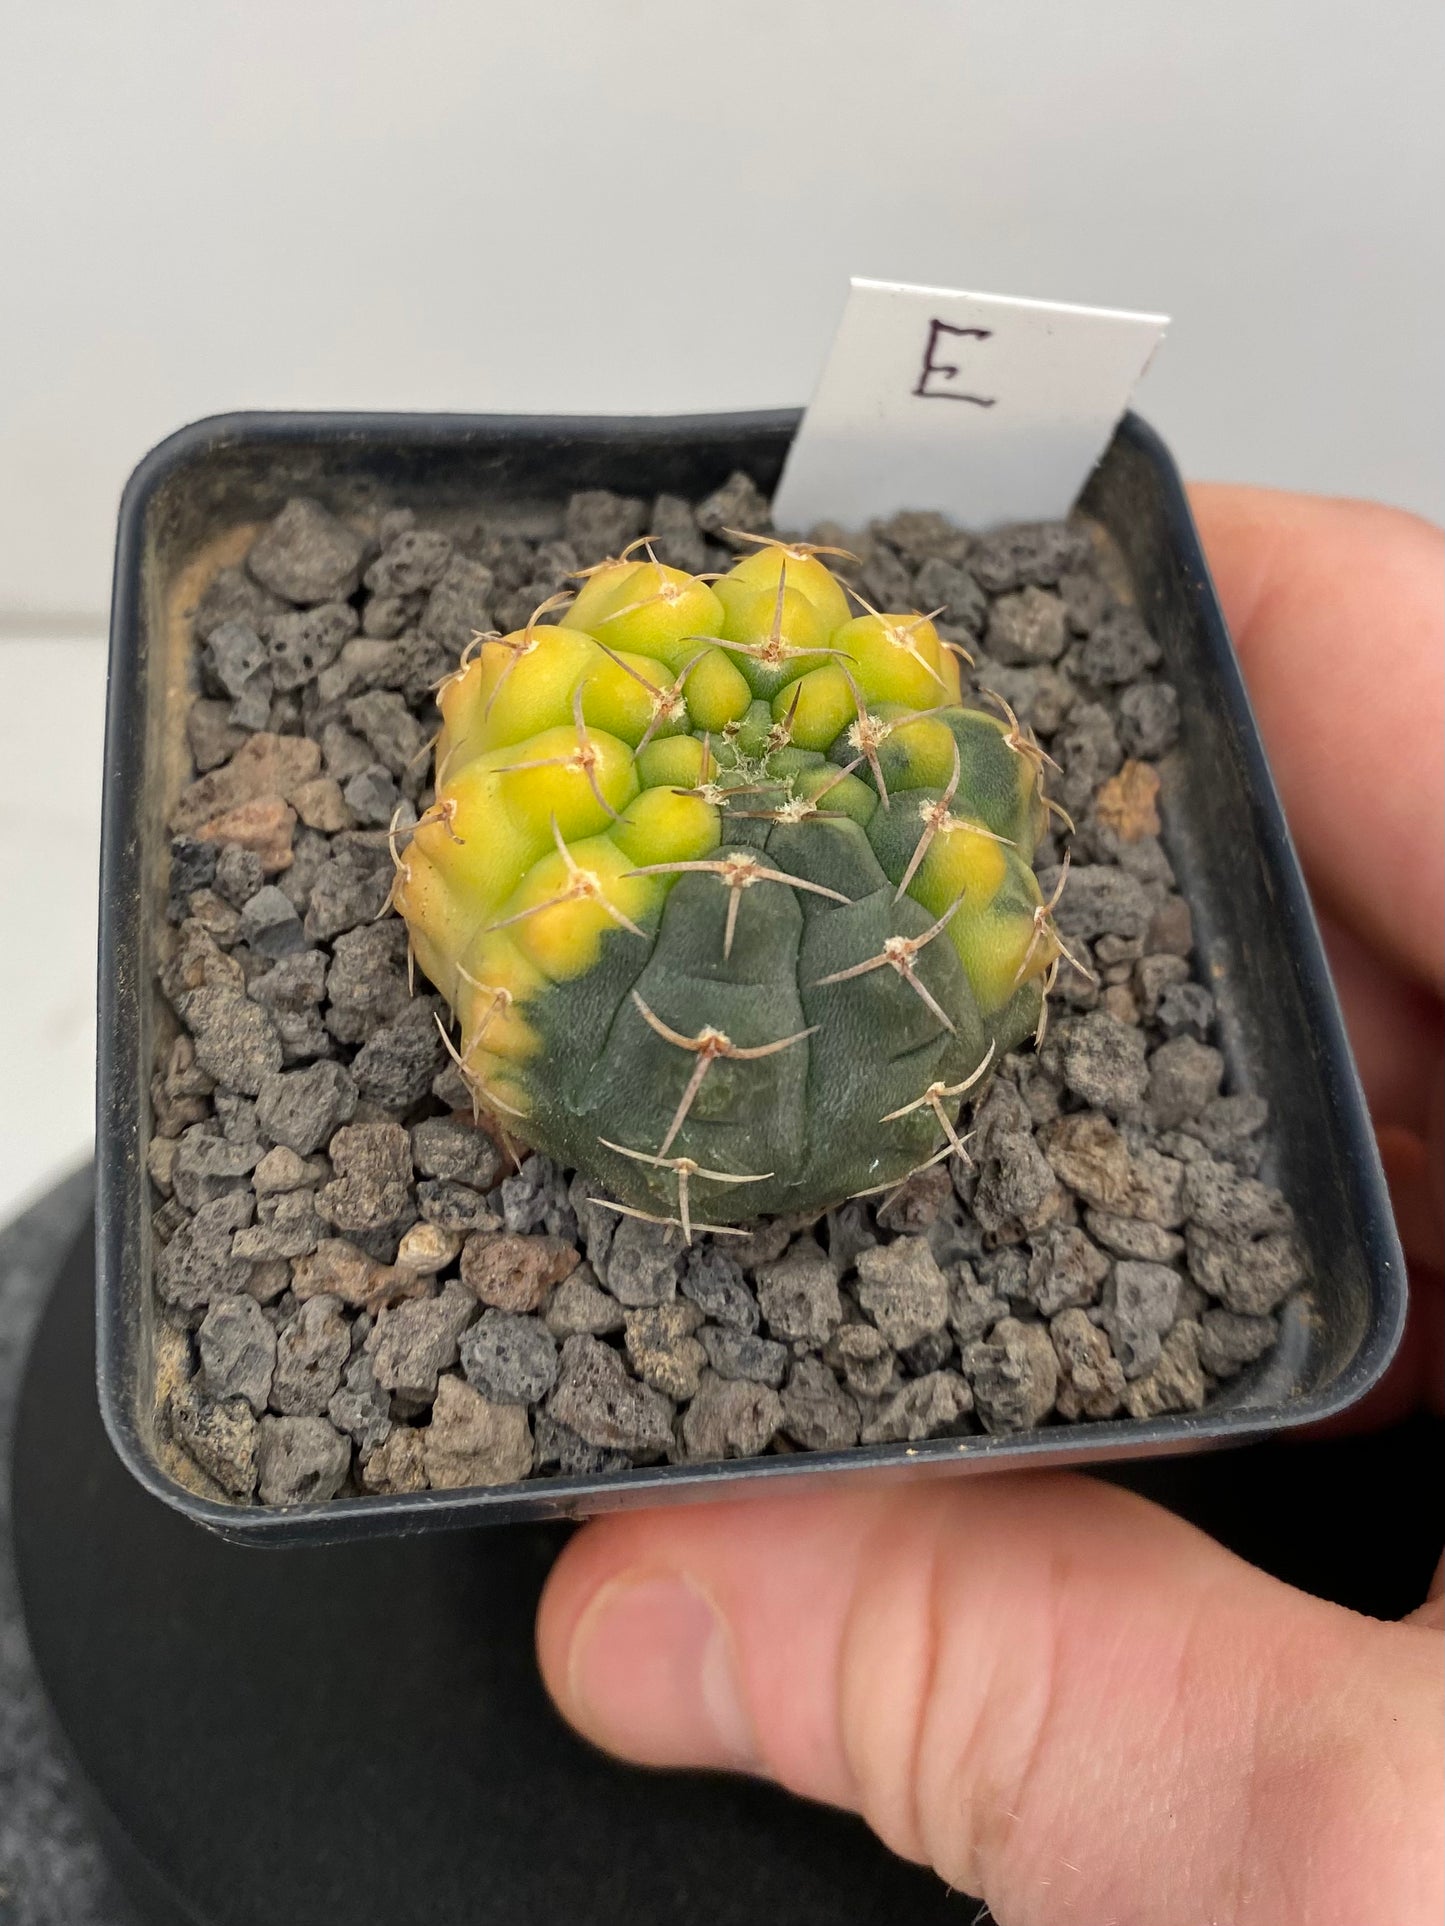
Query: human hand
1336, 611
1060, 1696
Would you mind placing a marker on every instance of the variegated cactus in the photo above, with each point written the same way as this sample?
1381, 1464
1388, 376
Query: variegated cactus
730, 893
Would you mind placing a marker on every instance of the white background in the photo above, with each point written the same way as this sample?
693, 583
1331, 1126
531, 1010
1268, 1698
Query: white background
645, 204
655, 204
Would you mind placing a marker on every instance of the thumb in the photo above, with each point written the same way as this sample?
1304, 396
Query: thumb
1067, 1701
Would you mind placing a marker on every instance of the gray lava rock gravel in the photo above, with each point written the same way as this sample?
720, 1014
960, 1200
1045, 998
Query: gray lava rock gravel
303, 1109
237, 1348
372, 1296
1014, 1373
306, 555
798, 1295
595, 1398
643, 1262
509, 1359
818, 1413
413, 1343
730, 1418
930, 1407
903, 1290
301, 1460
1138, 1309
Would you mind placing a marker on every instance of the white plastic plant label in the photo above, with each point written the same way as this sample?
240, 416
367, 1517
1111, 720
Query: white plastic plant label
983, 407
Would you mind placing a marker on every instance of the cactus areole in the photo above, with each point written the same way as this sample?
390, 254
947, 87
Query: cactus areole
730, 893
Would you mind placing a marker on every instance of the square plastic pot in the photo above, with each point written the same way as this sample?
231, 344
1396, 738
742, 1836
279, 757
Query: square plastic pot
1259, 947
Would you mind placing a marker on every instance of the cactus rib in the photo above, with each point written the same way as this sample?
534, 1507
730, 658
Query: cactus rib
727, 819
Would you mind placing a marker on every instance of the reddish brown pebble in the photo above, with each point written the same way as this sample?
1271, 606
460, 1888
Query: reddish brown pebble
336, 1269
515, 1273
264, 765
1128, 802
320, 805
266, 825
1118, 1000
396, 1465
471, 1441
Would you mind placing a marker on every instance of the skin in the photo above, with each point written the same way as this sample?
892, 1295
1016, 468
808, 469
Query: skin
1061, 1697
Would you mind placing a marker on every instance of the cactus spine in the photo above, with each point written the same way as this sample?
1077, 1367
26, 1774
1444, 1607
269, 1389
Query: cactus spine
730, 894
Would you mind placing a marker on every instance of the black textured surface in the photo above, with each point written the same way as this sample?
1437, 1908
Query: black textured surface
51, 1872
357, 1734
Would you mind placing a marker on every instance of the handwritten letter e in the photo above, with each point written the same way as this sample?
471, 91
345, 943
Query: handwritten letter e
947, 371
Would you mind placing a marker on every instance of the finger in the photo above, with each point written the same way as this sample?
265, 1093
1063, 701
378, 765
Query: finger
1412, 1381
1067, 1701
1412, 1170
1336, 611
1397, 1031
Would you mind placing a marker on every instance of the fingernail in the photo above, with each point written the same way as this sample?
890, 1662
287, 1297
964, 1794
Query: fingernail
651, 1675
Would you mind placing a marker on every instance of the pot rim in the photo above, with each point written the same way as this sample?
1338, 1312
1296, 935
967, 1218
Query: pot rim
122, 1123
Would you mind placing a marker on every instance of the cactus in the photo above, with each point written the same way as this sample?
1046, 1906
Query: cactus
729, 893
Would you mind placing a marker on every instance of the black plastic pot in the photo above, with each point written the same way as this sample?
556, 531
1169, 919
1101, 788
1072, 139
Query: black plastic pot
1279, 1022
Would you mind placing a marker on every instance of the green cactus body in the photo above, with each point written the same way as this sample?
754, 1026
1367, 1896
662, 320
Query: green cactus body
731, 896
